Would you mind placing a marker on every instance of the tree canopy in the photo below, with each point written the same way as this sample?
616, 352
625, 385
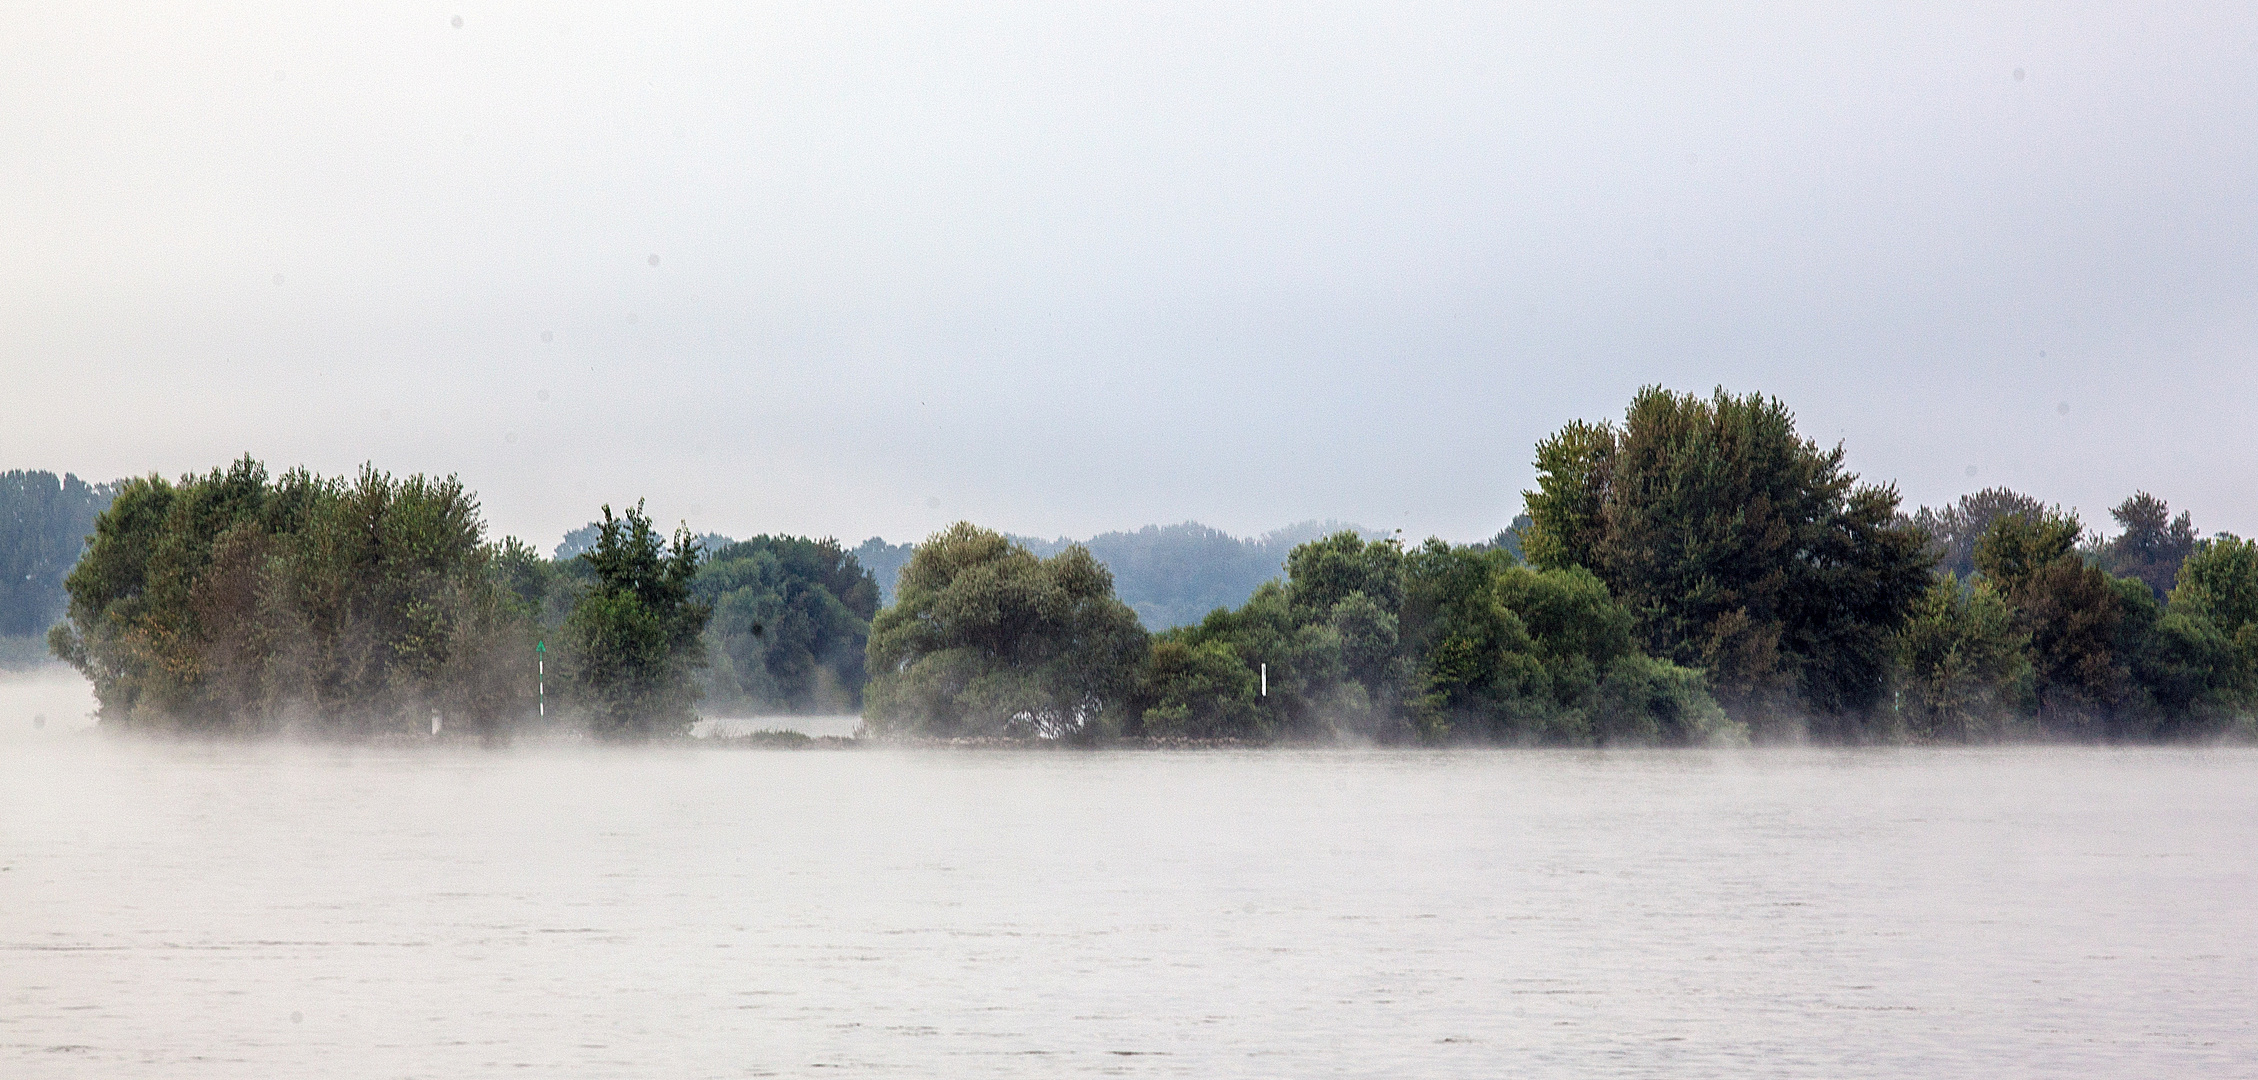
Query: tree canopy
790, 626
230, 601
636, 634
1440, 643
45, 522
1739, 547
987, 639
1954, 529
2152, 545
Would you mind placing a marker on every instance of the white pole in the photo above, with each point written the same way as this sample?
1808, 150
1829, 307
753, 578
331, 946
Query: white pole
1266, 680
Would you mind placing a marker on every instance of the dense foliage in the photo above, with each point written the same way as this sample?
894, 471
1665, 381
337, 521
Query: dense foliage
230, 601
1740, 548
636, 633
1695, 573
1366, 640
791, 621
986, 639
2152, 545
44, 524
1954, 529
2044, 638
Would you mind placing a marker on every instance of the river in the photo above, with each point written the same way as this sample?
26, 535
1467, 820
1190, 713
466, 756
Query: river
448, 911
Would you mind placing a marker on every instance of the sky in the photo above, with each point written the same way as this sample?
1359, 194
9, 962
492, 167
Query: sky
857, 270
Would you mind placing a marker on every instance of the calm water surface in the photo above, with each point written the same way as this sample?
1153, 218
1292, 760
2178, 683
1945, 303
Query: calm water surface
235, 911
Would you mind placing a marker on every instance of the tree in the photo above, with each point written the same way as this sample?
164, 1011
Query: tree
1170, 575
2153, 544
1964, 669
1310, 693
1953, 530
2070, 612
1508, 539
45, 522
2182, 673
1202, 691
1739, 547
985, 639
885, 562
1575, 482
791, 623
232, 602
1466, 653
635, 635
1440, 643
2218, 584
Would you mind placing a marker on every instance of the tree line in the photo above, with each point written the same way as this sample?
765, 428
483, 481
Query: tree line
1362, 638
1694, 572
1697, 571
44, 522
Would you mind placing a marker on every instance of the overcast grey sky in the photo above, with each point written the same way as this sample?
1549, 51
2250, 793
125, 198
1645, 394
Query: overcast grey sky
1063, 269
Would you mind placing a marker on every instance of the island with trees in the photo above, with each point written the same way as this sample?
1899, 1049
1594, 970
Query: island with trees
1696, 572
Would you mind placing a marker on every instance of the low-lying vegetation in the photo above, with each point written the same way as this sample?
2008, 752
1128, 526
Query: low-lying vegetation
1697, 573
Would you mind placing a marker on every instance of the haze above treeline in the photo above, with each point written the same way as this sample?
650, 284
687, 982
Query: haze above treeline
1066, 269
1696, 571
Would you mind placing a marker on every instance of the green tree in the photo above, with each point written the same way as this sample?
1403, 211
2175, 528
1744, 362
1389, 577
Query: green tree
230, 602
1602, 688
1964, 669
1568, 510
2219, 581
1310, 693
1202, 691
1470, 657
1739, 547
791, 624
2070, 612
45, 522
2218, 584
635, 635
2183, 675
1437, 644
1954, 529
985, 639
2153, 544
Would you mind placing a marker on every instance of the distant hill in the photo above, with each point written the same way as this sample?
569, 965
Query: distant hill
1169, 574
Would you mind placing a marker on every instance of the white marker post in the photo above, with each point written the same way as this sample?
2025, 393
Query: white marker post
1266, 680
541, 668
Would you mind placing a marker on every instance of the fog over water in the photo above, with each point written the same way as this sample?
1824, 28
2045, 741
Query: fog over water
238, 910
870, 270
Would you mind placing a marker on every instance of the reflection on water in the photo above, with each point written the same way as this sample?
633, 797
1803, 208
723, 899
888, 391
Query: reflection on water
269, 910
